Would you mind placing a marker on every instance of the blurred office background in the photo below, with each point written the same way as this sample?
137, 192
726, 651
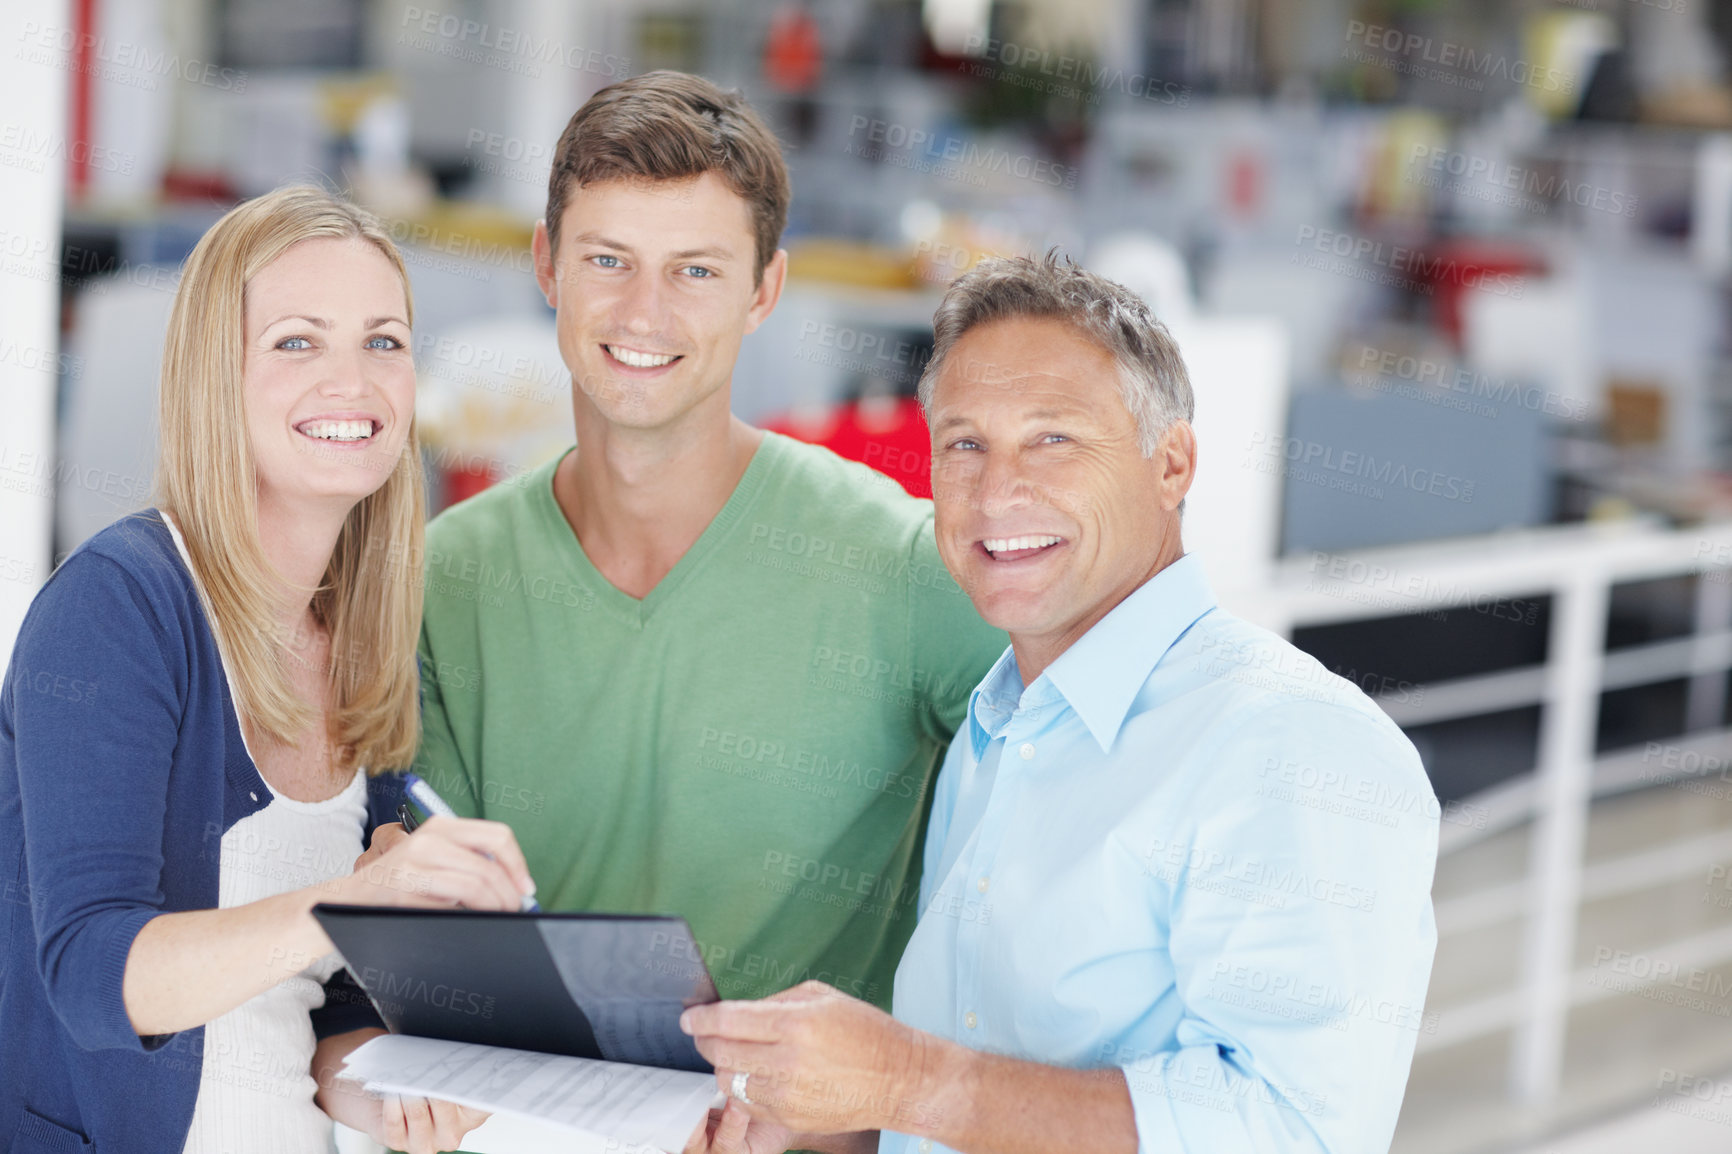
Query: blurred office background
1451, 276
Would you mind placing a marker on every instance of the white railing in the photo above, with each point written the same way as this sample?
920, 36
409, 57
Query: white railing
1576, 566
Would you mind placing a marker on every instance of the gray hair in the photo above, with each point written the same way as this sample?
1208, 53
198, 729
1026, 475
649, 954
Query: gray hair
1152, 377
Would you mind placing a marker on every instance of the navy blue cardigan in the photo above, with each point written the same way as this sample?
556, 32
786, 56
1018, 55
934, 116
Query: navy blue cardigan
121, 767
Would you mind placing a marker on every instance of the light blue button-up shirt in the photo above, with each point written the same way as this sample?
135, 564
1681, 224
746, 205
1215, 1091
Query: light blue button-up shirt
1189, 851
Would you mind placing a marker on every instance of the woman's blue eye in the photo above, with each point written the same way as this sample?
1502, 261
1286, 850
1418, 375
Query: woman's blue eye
390, 342
1055, 437
965, 443
289, 343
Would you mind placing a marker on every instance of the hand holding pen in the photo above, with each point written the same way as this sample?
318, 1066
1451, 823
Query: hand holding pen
422, 795
457, 862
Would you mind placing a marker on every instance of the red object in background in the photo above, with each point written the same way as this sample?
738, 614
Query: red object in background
1245, 184
793, 55
84, 28
1455, 267
889, 436
462, 484
184, 184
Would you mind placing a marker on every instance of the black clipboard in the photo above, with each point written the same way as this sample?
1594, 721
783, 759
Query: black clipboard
606, 986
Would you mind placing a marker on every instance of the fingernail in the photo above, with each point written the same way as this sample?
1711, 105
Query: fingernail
686, 1021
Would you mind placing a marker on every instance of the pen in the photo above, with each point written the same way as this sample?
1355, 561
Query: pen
422, 794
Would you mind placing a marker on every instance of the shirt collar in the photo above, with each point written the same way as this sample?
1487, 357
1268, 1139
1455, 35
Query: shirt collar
1102, 672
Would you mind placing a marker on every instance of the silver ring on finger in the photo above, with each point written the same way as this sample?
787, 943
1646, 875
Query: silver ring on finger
738, 1089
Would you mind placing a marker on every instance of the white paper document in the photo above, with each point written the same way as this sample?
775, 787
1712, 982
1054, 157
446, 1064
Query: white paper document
636, 1105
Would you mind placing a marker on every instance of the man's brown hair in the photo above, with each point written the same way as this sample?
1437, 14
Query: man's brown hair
670, 126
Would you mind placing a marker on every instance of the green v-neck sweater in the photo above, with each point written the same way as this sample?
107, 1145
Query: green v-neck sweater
751, 746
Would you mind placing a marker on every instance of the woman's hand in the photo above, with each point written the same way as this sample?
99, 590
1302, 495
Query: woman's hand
384, 838
236, 952
415, 1125
447, 861
424, 1125
734, 1130
817, 1060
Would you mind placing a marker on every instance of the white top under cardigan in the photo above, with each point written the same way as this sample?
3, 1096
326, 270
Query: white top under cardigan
256, 1087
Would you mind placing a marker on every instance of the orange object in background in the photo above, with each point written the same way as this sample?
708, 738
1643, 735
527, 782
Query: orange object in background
1635, 412
887, 433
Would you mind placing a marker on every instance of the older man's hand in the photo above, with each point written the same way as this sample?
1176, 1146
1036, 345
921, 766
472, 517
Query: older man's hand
818, 1060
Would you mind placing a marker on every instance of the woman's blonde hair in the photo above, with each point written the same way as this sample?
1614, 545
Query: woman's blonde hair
369, 598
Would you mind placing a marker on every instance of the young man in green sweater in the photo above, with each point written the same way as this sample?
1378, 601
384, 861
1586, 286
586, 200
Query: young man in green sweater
700, 669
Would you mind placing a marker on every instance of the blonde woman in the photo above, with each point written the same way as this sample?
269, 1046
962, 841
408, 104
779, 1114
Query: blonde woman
194, 718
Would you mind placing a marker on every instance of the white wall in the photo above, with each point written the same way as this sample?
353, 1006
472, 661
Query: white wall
33, 91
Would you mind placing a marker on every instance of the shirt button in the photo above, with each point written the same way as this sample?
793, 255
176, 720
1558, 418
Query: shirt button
926, 1146
254, 796
970, 1020
1027, 751
981, 885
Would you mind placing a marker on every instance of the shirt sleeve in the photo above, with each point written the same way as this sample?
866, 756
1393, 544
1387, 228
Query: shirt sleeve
96, 696
1301, 938
439, 760
950, 647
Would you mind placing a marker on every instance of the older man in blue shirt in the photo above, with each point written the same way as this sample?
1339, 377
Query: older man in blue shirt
1177, 875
